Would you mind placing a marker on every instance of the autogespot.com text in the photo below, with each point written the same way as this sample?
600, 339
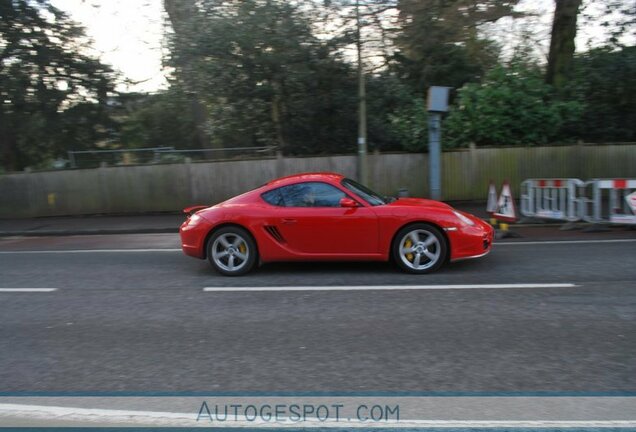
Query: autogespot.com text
297, 413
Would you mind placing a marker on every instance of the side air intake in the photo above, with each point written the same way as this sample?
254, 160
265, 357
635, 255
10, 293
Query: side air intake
273, 231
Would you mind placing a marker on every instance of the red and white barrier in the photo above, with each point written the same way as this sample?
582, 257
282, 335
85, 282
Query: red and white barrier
552, 199
612, 201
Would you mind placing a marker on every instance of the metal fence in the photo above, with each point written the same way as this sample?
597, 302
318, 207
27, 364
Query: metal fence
156, 155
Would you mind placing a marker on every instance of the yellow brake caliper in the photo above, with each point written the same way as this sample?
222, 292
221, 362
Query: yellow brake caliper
242, 248
407, 244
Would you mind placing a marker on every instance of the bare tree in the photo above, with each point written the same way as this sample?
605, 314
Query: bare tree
562, 42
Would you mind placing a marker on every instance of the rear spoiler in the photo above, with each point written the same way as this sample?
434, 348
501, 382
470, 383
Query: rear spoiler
191, 210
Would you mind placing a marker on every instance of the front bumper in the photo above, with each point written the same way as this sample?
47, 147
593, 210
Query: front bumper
193, 237
471, 241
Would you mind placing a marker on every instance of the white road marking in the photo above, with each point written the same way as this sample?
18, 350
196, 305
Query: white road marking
90, 416
29, 290
390, 287
551, 242
80, 251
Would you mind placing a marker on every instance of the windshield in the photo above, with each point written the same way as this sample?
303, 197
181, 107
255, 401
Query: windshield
364, 192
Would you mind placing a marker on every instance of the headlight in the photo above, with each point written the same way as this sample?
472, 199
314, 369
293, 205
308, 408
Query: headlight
463, 218
194, 219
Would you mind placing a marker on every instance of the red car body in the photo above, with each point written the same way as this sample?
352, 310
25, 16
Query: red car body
362, 232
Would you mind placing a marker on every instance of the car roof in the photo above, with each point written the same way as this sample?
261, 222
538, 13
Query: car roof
310, 176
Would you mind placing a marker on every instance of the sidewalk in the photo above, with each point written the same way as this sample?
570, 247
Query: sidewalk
90, 225
170, 222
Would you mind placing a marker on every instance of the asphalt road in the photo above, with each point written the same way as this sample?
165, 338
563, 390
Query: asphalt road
138, 320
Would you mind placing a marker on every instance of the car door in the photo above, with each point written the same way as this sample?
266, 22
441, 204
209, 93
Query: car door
311, 220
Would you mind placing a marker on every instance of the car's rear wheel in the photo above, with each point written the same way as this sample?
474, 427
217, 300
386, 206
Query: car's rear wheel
420, 248
232, 251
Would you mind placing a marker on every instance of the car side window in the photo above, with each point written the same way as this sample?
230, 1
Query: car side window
310, 194
274, 197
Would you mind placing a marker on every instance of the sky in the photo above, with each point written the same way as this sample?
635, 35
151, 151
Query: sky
128, 34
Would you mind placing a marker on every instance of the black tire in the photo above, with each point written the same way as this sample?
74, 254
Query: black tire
232, 251
419, 248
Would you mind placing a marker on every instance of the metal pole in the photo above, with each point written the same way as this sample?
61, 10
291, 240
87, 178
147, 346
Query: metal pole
434, 154
363, 172
71, 158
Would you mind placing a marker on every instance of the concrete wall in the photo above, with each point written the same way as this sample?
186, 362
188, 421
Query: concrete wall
156, 188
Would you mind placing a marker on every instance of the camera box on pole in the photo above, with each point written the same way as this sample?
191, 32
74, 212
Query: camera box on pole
438, 99
437, 103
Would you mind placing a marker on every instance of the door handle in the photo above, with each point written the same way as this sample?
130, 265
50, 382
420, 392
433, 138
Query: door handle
289, 221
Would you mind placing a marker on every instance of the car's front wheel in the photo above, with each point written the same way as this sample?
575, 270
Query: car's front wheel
232, 251
419, 248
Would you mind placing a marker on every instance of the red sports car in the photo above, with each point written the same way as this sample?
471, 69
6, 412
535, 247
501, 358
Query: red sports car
327, 217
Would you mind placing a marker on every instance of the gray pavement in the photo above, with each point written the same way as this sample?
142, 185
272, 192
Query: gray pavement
136, 318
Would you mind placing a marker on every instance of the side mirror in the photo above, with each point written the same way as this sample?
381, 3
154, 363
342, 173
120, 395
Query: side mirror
348, 202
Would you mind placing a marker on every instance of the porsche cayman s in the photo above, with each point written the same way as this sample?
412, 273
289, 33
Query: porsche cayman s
328, 217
